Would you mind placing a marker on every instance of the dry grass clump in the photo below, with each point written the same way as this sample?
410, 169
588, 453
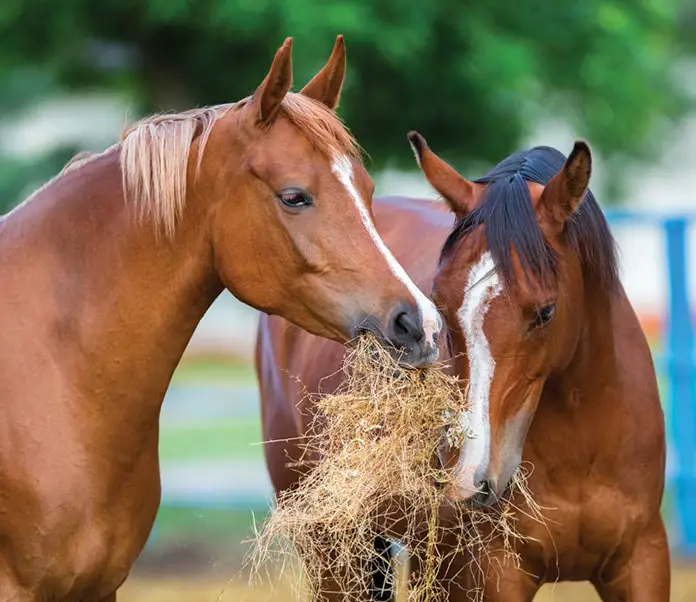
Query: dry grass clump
372, 470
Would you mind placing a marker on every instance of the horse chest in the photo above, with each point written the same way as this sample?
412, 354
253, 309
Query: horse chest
71, 555
74, 534
583, 528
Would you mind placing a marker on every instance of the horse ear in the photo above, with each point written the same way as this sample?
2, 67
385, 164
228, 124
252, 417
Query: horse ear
265, 102
326, 85
457, 191
566, 190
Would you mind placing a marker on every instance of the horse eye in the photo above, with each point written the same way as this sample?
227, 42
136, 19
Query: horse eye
294, 198
543, 316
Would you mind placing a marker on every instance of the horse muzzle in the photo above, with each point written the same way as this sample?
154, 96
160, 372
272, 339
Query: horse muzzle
409, 339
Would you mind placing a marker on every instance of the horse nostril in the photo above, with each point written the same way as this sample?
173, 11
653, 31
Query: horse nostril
405, 324
406, 328
485, 494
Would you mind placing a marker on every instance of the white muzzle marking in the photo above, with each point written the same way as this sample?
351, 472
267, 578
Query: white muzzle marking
483, 285
431, 321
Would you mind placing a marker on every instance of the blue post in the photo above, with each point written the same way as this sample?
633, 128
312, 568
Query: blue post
682, 373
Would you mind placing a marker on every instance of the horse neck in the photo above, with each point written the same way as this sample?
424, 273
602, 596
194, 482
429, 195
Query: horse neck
127, 301
594, 365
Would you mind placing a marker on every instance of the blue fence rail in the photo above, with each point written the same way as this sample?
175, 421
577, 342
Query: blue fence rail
677, 362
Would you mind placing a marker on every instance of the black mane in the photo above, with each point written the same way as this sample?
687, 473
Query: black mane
507, 216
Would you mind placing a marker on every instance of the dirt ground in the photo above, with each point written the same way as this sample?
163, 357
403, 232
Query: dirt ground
213, 590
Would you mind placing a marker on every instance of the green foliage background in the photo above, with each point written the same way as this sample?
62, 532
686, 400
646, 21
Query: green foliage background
472, 76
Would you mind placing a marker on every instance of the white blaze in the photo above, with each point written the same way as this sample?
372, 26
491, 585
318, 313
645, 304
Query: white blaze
483, 286
432, 322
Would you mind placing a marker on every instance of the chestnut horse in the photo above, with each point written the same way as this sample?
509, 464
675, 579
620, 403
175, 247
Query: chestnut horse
107, 270
560, 376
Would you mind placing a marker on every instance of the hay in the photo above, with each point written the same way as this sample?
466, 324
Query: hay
372, 471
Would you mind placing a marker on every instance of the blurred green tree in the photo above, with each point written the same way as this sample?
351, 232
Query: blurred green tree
473, 77
18, 175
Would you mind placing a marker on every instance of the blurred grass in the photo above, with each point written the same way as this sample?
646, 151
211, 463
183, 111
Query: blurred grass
221, 524
200, 590
235, 439
207, 369
220, 590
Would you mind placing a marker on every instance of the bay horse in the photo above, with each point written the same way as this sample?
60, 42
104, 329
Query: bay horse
107, 270
522, 266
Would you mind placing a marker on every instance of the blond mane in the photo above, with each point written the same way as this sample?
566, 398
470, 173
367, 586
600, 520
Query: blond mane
155, 152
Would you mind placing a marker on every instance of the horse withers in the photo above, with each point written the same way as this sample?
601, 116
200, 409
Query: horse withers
523, 268
107, 270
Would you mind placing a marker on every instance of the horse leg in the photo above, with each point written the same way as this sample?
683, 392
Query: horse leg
487, 577
382, 572
645, 575
335, 586
496, 581
511, 585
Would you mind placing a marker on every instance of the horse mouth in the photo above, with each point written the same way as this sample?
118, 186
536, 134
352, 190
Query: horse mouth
399, 354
